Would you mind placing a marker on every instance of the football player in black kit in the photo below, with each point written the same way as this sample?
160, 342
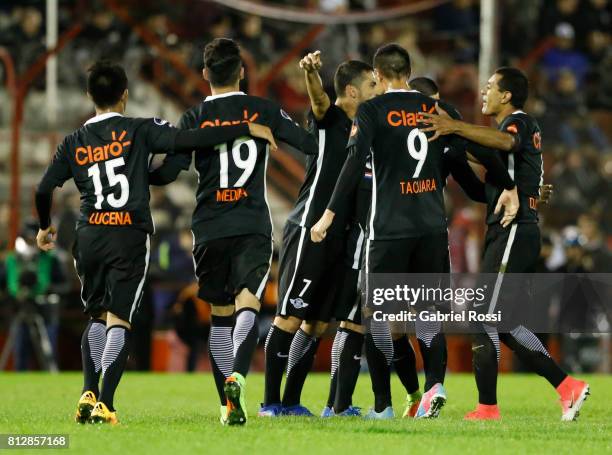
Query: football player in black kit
407, 229
108, 158
514, 248
232, 224
312, 276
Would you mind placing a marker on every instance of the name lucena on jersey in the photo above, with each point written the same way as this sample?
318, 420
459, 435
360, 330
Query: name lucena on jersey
407, 170
525, 165
109, 158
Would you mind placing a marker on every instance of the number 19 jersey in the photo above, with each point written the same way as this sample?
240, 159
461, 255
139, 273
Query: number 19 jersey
231, 197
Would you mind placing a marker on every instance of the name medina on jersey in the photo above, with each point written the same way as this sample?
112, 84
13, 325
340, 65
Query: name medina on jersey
298, 303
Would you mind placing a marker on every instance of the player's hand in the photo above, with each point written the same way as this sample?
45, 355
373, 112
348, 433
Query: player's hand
263, 132
319, 230
546, 192
509, 201
440, 123
45, 239
311, 62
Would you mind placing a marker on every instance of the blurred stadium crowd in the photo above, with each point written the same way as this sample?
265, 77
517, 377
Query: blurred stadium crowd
564, 45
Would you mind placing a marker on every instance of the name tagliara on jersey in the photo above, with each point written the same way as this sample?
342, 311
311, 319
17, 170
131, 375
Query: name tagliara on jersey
437, 316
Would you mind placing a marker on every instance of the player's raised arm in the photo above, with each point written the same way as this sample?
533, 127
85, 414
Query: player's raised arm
360, 140
319, 101
56, 174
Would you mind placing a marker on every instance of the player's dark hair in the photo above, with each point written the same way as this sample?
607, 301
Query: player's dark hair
223, 62
513, 80
424, 85
393, 61
106, 83
349, 73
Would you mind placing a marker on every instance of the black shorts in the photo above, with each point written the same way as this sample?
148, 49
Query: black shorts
226, 266
424, 254
112, 264
514, 249
309, 274
348, 299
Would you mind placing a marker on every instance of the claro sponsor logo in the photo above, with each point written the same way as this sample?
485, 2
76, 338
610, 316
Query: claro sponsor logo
88, 154
404, 118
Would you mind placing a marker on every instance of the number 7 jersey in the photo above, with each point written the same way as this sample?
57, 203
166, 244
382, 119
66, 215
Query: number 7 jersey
231, 197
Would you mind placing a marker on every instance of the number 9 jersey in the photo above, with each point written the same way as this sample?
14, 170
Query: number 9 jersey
231, 196
407, 171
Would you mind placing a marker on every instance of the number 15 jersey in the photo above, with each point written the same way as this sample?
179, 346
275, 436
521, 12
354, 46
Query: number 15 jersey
231, 197
407, 170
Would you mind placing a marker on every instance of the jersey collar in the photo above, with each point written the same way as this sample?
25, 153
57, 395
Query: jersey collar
395, 90
99, 118
222, 95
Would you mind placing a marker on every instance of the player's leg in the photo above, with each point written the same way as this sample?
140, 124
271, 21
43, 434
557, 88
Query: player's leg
287, 321
301, 357
127, 256
277, 348
431, 256
114, 360
348, 342
382, 256
485, 338
404, 363
91, 273
212, 268
320, 262
251, 259
333, 378
530, 350
221, 347
485, 361
349, 365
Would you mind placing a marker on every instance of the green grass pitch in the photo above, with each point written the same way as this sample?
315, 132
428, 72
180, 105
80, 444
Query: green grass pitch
178, 414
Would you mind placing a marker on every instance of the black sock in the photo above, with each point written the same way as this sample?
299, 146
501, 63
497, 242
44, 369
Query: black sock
114, 359
93, 342
433, 348
530, 350
246, 336
485, 358
379, 352
277, 352
221, 351
348, 369
404, 362
301, 356
335, 360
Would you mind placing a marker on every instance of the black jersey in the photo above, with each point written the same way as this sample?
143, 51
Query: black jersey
108, 158
231, 196
525, 165
407, 172
322, 170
